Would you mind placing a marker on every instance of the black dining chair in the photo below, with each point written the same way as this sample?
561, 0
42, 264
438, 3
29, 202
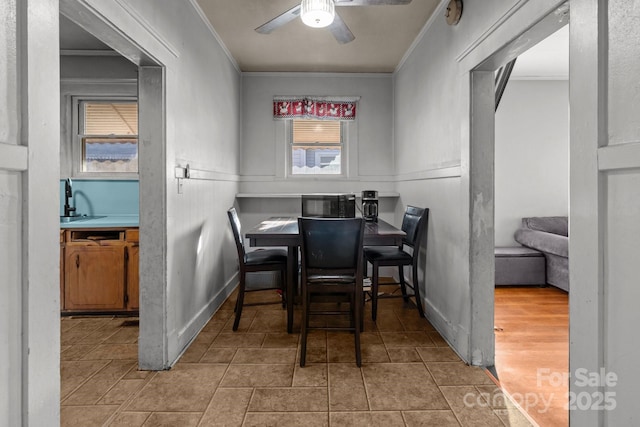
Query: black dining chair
331, 260
261, 260
415, 220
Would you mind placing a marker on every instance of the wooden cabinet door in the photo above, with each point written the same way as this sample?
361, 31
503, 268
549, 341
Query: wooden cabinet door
133, 293
94, 277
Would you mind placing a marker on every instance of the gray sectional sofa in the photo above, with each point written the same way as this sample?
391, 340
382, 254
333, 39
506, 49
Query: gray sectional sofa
549, 235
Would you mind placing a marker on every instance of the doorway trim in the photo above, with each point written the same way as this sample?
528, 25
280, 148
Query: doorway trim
524, 25
153, 340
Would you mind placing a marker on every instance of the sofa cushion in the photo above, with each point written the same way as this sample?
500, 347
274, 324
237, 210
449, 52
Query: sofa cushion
542, 241
550, 224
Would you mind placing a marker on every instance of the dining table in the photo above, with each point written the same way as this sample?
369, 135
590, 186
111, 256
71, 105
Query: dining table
283, 232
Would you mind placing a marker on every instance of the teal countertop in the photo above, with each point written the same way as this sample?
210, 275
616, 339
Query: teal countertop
102, 221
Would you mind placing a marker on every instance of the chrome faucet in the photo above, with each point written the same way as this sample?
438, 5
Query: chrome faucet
68, 193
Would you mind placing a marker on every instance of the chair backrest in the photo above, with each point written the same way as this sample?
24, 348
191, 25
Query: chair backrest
237, 233
331, 244
413, 222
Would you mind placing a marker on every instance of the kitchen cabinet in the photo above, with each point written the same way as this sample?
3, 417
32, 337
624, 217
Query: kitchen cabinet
99, 270
133, 273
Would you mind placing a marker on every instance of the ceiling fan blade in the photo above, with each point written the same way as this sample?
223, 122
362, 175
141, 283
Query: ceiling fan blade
280, 20
371, 2
340, 31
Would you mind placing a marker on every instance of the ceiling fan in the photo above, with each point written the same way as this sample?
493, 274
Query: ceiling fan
321, 13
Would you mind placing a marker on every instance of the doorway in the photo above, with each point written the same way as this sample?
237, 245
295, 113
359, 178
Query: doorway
152, 342
482, 158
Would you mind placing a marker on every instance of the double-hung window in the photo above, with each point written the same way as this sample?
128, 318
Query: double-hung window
107, 137
317, 147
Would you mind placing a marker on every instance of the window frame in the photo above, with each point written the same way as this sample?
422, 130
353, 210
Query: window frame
77, 146
343, 153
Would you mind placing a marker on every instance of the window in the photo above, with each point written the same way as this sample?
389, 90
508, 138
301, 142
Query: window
316, 147
108, 136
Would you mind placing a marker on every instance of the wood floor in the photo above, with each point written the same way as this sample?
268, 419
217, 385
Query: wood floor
532, 350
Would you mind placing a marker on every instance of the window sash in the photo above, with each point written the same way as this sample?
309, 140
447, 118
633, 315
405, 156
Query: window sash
335, 141
126, 131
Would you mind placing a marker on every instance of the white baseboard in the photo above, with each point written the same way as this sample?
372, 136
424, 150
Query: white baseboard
457, 338
193, 328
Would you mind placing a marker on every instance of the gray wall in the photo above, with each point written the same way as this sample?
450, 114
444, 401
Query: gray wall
370, 136
531, 154
369, 145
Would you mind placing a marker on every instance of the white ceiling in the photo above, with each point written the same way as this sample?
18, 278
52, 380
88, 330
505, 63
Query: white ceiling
383, 34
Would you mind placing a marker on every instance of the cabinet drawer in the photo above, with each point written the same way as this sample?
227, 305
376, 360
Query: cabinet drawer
85, 236
132, 235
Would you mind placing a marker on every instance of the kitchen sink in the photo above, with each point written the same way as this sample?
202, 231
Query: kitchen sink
66, 219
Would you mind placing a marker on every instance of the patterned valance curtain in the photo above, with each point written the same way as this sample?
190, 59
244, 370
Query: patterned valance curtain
315, 107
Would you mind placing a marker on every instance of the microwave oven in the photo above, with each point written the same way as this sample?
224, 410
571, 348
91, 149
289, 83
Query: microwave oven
329, 205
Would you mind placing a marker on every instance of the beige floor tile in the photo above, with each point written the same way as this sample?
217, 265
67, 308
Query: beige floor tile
286, 419
74, 373
246, 319
512, 417
269, 321
366, 419
129, 419
186, 387
346, 388
85, 416
316, 355
460, 397
494, 397
125, 335
272, 356
474, 417
409, 376
136, 374
238, 340
218, 355
113, 352
76, 351
198, 347
296, 399
258, 376
437, 339
438, 354
173, 419
90, 392
227, 407
121, 392
281, 340
403, 355
401, 386
457, 373
412, 321
407, 339
312, 375
441, 418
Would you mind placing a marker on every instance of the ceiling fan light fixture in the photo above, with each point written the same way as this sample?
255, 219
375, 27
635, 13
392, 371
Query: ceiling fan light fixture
317, 13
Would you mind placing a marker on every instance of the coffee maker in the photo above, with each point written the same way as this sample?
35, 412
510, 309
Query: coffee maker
370, 205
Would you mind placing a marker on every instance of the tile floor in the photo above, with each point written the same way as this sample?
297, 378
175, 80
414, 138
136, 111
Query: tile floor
409, 376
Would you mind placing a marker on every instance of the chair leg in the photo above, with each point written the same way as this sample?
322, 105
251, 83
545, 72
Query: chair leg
356, 323
303, 327
239, 301
416, 290
374, 291
403, 285
283, 287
